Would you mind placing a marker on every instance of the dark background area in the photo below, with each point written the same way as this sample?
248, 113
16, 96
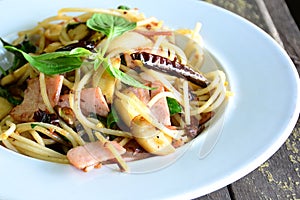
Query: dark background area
294, 6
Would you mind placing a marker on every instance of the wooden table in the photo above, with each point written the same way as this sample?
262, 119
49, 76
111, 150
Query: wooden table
279, 177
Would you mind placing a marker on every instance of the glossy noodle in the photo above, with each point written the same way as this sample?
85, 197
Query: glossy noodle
87, 93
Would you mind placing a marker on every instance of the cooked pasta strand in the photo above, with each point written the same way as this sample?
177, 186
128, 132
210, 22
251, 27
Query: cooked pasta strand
112, 149
74, 119
44, 94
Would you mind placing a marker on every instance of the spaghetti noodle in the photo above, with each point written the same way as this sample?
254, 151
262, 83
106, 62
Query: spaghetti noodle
95, 106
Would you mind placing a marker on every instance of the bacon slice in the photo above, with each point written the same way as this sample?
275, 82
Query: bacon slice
160, 109
33, 100
140, 93
91, 101
134, 151
92, 154
54, 85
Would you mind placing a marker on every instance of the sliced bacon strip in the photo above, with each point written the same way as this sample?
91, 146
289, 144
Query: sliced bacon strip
33, 99
140, 93
160, 109
91, 101
92, 154
54, 86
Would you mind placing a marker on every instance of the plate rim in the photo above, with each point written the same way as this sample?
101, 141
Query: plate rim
271, 149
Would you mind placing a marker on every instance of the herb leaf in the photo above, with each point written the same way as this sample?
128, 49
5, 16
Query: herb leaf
123, 7
55, 62
33, 125
7, 95
19, 60
2, 71
112, 118
125, 78
110, 25
174, 106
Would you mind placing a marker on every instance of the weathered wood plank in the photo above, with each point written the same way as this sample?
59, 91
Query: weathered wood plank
294, 6
245, 8
287, 28
222, 194
278, 178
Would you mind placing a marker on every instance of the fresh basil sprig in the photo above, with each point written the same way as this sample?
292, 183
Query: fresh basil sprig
124, 78
65, 61
26, 46
55, 62
110, 25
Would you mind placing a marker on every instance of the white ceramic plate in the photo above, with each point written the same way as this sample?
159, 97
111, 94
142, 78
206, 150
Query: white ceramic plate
261, 114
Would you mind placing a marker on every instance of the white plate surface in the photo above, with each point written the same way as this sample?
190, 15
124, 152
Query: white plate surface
260, 117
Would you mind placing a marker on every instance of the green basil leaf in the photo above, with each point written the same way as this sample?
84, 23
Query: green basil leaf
110, 25
19, 60
81, 52
97, 63
53, 55
174, 106
55, 62
33, 125
124, 78
4, 92
3, 71
112, 118
122, 7
57, 65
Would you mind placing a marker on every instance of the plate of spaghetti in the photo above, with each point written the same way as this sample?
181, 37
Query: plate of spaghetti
99, 98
